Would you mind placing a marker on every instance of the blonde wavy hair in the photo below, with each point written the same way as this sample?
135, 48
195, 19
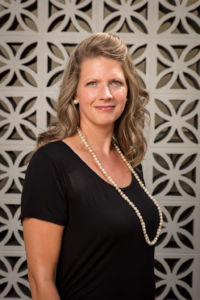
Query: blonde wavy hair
128, 129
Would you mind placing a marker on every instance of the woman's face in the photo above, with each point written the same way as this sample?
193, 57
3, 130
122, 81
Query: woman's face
101, 91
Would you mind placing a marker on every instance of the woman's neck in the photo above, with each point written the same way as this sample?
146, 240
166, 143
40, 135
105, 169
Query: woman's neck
99, 138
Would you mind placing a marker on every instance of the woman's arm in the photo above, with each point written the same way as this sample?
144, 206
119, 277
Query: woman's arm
42, 243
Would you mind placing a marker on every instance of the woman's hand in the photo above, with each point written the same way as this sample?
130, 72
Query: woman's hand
42, 242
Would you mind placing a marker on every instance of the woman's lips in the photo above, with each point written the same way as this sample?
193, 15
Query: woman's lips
105, 107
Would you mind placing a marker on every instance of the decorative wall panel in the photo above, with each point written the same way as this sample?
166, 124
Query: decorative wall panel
163, 37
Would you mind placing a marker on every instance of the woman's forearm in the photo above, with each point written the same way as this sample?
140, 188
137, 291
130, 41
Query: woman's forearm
43, 290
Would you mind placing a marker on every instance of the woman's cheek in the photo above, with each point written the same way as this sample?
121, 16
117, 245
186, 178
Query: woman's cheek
92, 94
119, 92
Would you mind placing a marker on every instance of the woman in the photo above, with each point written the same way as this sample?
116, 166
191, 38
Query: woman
89, 223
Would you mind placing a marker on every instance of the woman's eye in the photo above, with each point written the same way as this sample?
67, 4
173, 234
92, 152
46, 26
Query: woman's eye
91, 83
116, 82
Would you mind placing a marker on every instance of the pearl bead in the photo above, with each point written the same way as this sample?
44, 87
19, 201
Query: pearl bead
124, 196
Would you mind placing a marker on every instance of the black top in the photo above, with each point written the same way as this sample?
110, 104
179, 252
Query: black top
103, 255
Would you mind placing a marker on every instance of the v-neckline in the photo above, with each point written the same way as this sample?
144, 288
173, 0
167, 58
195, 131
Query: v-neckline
91, 170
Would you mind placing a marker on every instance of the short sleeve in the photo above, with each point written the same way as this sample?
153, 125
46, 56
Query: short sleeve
43, 195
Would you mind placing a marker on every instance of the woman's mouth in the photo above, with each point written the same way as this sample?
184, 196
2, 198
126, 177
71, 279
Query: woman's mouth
105, 107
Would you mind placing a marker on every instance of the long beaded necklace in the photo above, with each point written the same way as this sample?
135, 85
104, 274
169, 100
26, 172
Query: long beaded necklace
123, 195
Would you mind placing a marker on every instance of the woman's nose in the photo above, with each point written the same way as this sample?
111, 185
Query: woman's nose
105, 92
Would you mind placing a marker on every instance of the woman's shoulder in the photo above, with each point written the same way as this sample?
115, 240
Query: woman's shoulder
56, 152
53, 149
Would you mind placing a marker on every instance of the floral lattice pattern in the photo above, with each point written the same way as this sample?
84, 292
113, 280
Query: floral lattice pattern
14, 278
18, 64
13, 165
174, 278
175, 174
176, 121
178, 16
178, 231
70, 16
126, 16
18, 118
179, 66
19, 16
10, 226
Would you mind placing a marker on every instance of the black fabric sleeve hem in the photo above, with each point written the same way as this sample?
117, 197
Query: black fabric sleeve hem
42, 218
43, 194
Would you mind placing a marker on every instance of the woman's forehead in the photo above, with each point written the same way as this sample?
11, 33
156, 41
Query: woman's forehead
100, 64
